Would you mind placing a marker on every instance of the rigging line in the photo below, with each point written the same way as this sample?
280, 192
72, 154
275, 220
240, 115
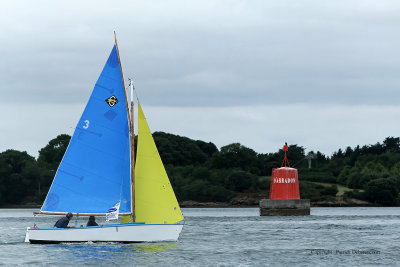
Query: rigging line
134, 90
137, 96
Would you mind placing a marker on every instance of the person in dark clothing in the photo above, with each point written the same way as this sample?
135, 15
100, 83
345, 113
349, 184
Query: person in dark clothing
63, 222
92, 221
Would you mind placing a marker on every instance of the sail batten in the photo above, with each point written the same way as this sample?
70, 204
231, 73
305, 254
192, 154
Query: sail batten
95, 171
155, 201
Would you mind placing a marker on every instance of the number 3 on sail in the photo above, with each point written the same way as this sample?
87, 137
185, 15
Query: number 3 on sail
98, 170
86, 124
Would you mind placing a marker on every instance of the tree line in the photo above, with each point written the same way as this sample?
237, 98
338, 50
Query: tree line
199, 171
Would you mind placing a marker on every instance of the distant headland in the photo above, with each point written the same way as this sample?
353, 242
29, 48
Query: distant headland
234, 176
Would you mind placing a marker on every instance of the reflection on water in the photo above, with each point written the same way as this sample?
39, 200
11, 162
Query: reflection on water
154, 247
108, 252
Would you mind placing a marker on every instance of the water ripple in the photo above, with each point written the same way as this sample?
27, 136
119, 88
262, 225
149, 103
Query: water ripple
227, 237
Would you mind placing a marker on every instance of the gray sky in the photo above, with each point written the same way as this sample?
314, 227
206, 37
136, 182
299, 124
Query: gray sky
321, 74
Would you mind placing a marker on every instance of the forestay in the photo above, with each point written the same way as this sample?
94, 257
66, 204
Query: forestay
95, 171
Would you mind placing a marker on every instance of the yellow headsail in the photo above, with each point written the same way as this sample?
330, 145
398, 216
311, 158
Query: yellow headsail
155, 201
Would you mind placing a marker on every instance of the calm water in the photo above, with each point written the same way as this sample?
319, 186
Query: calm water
228, 237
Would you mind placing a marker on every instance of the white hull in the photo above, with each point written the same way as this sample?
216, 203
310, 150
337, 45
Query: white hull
129, 232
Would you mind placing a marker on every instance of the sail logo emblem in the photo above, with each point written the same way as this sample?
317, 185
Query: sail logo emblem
112, 100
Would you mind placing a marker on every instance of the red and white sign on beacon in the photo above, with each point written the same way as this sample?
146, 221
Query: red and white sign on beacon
284, 184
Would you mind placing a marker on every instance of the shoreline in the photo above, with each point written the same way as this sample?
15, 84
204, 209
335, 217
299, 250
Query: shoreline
194, 204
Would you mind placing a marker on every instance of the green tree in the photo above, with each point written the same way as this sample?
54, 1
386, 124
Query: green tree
49, 159
330, 190
19, 177
344, 175
310, 190
181, 151
201, 173
236, 156
200, 190
239, 181
383, 191
395, 170
51, 155
371, 171
392, 144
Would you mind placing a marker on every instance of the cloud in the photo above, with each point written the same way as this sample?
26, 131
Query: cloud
213, 53
331, 67
263, 128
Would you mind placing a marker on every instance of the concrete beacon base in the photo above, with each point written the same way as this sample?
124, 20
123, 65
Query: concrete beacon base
284, 207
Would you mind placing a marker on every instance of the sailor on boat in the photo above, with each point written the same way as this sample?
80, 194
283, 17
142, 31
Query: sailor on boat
63, 222
92, 221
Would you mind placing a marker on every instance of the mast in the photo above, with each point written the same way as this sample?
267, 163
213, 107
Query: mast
122, 74
132, 153
132, 133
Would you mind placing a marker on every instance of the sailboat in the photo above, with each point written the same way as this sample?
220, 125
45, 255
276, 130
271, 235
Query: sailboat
98, 172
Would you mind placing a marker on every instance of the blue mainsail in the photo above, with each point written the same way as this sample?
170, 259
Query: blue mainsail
95, 171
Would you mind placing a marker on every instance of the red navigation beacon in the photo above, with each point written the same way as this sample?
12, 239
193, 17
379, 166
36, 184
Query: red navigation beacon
284, 181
